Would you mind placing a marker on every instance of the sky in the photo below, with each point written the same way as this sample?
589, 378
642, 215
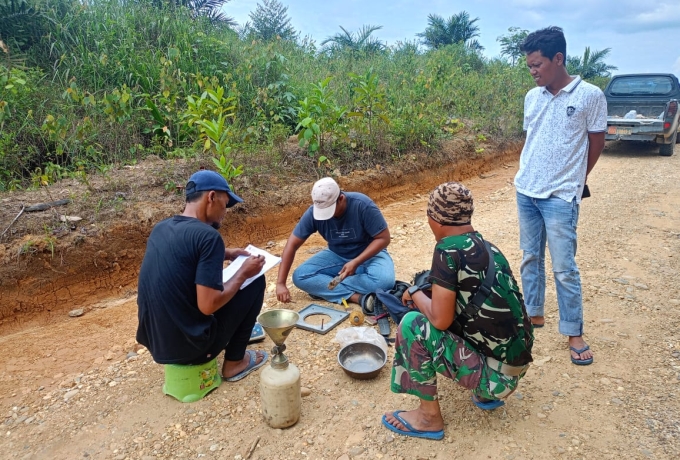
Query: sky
644, 35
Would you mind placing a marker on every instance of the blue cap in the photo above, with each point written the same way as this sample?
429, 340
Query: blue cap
205, 181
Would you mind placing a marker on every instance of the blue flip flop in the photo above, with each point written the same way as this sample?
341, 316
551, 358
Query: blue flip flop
580, 362
252, 366
435, 435
257, 334
488, 405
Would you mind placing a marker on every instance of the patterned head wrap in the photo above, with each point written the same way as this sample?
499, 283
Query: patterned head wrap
451, 204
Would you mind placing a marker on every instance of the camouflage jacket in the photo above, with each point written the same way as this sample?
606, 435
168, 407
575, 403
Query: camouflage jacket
502, 329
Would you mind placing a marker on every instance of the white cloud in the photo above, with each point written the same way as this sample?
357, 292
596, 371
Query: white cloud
662, 13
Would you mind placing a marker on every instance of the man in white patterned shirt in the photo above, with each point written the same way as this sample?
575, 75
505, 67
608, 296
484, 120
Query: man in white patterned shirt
565, 119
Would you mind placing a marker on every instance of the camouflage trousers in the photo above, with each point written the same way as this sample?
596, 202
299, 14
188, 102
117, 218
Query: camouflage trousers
422, 351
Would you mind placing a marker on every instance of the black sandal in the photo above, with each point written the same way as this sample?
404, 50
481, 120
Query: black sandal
367, 302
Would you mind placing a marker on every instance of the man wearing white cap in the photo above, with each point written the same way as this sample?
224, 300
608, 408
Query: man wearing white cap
357, 237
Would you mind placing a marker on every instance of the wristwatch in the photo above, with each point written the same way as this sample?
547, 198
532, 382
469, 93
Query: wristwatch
412, 290
424, 287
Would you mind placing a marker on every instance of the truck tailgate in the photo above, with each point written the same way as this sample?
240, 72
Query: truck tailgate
627, 126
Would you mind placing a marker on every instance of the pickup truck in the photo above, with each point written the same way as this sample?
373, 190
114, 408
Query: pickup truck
644, 107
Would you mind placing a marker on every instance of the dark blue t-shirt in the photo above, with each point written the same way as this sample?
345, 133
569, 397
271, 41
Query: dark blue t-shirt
350, 234
181, 252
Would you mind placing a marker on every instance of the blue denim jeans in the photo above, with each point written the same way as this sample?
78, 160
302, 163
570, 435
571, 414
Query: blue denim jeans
313, 275
552, 221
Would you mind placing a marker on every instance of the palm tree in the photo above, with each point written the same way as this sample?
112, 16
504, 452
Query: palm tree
591, 64
355, 42
202, 8
21, 25
459, 28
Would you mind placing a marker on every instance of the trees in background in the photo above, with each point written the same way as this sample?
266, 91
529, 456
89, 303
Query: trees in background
270, 21
591, 64
84, 88
458, 28
510, 44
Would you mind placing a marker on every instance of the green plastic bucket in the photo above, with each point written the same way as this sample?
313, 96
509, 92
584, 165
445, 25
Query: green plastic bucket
191, 383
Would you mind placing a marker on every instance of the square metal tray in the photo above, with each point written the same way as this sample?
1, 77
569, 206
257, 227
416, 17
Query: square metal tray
336, 317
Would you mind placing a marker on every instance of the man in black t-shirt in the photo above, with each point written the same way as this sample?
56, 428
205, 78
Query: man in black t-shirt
187, 315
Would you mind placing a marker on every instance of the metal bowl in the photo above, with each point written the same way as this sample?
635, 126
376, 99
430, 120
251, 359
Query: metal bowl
362, 360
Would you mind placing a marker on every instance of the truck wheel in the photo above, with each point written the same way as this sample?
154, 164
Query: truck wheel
666, 150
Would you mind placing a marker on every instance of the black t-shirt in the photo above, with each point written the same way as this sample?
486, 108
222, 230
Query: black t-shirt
502, 328
181, 252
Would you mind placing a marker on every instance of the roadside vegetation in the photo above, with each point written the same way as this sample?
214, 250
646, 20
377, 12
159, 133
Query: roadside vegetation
89, 85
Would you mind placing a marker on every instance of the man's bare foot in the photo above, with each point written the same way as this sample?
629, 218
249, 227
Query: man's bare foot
231, 368
418, 419
538, 321
578, 343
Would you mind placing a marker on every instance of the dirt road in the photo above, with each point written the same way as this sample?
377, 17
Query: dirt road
76, 388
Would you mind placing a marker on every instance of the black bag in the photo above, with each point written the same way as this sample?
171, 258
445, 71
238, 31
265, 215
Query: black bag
421, 278
391, 301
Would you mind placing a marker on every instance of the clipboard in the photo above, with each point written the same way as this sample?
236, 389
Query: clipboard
270, 261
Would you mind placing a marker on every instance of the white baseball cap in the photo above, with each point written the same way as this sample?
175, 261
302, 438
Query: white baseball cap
325, 195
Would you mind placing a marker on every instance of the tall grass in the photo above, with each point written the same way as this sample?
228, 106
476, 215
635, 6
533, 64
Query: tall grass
109, 81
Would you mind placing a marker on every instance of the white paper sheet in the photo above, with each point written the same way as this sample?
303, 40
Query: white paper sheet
270, 261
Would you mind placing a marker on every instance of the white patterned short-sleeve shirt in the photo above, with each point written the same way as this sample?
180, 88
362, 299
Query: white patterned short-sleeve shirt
554, 159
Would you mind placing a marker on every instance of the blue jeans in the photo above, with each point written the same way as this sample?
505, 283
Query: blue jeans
554, 221
313, 275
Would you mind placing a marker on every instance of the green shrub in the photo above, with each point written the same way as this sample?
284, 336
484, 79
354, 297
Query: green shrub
107, 82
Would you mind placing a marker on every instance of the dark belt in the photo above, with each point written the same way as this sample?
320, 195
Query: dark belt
507, 369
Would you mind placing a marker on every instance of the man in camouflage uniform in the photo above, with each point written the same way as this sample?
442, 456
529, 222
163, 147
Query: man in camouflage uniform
487, 353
